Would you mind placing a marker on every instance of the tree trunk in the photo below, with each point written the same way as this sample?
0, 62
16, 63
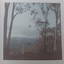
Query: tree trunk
5, 26
55, 43
10, 30
45, 37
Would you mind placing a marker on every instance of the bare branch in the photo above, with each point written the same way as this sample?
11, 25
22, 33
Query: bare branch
52, 8
14, 5
18, 11
25, 10
15, 15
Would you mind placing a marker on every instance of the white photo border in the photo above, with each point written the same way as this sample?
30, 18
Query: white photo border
30, 61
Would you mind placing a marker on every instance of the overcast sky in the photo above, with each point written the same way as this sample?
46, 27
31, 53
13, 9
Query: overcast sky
22, 22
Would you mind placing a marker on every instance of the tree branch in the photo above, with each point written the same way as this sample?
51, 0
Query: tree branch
52, 8
15, 15
18, 12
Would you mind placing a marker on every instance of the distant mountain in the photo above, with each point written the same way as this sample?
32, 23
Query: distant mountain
17, 42
22, 40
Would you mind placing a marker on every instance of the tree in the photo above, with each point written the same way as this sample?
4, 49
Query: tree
55, 7
5, 25
10, 26
39, 22
20, 9
44, 23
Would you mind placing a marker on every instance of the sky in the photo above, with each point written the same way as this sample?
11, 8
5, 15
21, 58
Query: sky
22, 22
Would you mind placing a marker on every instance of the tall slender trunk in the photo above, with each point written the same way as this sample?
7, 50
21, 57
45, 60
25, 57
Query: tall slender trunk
10, 30
55, 43
5, 26
45, 37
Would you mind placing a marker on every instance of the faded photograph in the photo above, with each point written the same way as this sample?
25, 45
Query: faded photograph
32, 31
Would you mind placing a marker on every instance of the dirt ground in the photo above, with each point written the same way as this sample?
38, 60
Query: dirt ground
31, 56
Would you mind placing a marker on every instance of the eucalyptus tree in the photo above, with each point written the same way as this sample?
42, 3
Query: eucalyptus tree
5, 25
17, 8
45, 14
43, 24
55, 7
